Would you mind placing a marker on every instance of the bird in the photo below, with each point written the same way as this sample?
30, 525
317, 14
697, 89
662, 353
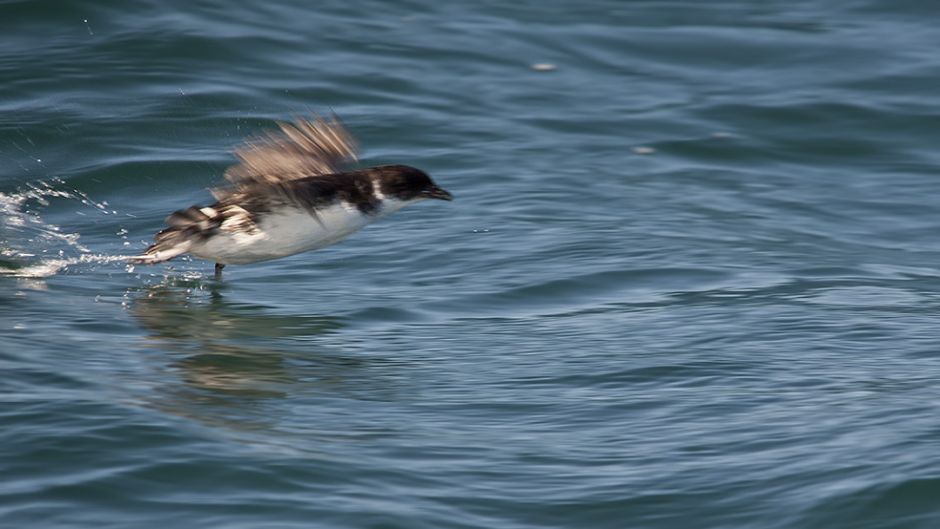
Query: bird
290, 192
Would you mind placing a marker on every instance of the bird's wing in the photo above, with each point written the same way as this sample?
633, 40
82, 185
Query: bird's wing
302, 148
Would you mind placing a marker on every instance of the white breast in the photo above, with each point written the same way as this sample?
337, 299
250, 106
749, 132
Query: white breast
282, 233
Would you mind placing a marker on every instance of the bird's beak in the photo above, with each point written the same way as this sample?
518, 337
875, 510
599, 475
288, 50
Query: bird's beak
438, 193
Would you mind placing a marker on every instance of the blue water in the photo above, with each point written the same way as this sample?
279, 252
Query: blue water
689, 278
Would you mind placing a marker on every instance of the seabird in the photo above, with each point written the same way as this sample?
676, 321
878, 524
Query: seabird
289, 194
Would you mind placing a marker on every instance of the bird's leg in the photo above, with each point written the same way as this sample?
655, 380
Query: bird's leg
218, 270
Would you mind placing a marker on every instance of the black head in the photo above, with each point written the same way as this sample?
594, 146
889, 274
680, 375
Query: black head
407, 183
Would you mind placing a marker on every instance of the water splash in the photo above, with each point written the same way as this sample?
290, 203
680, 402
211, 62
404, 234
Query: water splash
50, 267
30, 247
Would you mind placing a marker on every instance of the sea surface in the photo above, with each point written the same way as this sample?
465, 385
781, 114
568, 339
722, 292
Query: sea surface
691, 277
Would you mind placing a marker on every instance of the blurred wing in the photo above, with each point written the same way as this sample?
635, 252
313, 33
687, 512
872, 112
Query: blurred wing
302, 148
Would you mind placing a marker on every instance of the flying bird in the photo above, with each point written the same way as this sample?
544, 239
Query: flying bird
288, 194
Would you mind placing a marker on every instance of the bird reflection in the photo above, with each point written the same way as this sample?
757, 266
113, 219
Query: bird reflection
233, 358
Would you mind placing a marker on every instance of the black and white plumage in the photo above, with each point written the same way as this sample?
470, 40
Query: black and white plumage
289, 194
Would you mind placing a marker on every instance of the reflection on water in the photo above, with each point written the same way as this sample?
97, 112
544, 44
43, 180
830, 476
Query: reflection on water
195, 313
233, 359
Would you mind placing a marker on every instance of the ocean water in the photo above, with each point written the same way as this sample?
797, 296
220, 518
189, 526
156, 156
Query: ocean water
691, 277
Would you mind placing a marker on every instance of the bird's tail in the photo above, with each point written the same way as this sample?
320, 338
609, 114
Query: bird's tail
186, 227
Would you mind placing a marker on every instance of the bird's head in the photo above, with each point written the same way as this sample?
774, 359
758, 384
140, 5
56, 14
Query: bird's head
408, 184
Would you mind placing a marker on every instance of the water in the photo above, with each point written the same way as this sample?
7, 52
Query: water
689, 278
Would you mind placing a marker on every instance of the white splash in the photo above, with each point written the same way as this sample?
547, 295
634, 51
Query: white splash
51, 267
33, 248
